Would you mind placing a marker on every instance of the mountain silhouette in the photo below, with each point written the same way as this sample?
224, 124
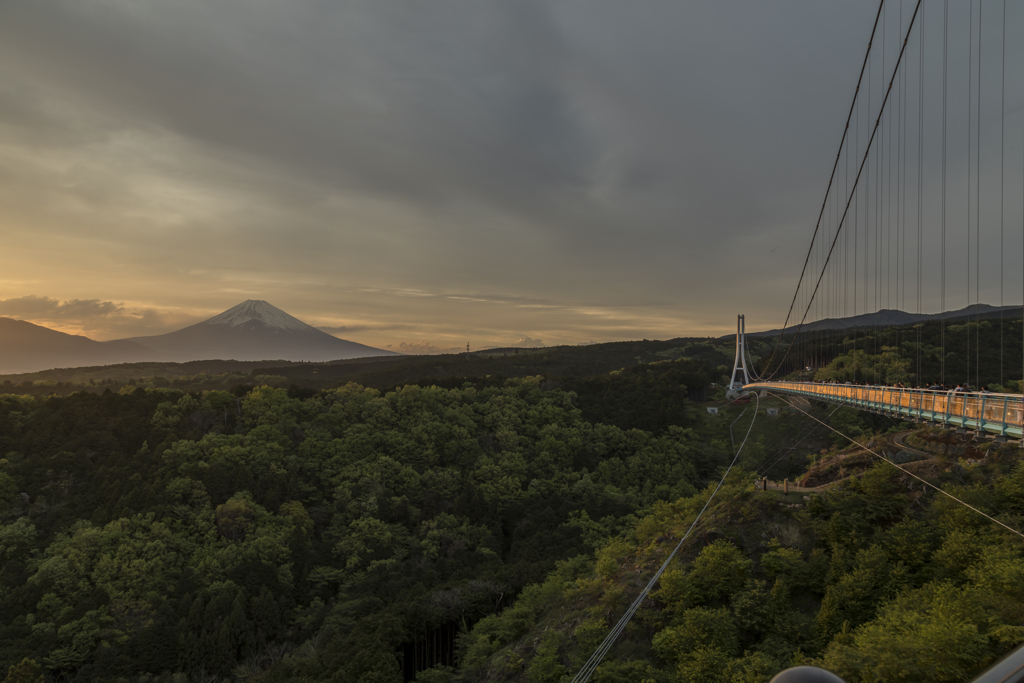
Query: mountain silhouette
887, 317
26, 347
253, 330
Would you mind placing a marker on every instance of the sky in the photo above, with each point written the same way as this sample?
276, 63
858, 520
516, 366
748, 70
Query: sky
418, 176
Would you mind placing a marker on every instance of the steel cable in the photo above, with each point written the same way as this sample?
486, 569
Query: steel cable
857, 179
903, 469
828, 189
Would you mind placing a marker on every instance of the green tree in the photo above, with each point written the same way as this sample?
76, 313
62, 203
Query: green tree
234, 518
26, 671
696, 628
546, 666
933, 634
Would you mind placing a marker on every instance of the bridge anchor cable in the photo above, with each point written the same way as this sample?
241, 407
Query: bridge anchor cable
902, 469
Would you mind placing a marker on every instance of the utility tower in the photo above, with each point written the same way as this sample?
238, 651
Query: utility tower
740, 366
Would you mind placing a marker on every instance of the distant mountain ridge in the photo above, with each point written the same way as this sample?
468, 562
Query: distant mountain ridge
251, 331
888, 316
25, 347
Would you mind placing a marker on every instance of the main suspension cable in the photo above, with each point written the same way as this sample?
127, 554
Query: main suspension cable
821, 213
856, 181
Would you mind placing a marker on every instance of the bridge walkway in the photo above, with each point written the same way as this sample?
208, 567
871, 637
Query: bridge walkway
999, 415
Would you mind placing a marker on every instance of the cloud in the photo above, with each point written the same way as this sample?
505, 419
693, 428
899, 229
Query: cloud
94, 318
343, 329
396, 145
45, 308
423, 348
527, 343
350, 156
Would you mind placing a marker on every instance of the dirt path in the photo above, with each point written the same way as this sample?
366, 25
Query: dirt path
794, 488
898, 440
894, 441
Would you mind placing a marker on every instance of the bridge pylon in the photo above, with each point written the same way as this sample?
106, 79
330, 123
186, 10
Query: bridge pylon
740, 377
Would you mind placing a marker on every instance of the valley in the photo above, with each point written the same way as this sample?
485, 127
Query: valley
484, 528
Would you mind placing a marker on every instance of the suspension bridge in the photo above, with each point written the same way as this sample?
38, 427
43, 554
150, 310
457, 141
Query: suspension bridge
923, 214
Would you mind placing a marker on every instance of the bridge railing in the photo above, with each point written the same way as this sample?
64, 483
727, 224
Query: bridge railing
999, 414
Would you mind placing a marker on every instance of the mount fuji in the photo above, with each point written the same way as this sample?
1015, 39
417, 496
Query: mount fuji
253, 330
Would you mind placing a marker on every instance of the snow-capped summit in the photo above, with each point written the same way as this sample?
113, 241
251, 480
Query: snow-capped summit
262, 312
254, 330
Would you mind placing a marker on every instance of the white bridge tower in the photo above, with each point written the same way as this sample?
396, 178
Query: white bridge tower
740, 366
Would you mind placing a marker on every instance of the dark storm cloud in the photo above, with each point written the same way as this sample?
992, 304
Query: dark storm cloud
582, 153
412, 102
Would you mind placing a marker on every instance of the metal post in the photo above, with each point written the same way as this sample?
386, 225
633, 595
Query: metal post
981, 418
1002, 428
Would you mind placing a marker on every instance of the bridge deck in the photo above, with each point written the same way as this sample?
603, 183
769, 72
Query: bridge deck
998, 414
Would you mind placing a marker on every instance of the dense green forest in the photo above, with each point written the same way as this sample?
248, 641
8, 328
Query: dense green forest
158, 531
479, 529
876, 580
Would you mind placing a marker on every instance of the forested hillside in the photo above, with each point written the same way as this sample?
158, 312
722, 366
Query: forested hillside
878, 579
158, 532
979, 352
486, 529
